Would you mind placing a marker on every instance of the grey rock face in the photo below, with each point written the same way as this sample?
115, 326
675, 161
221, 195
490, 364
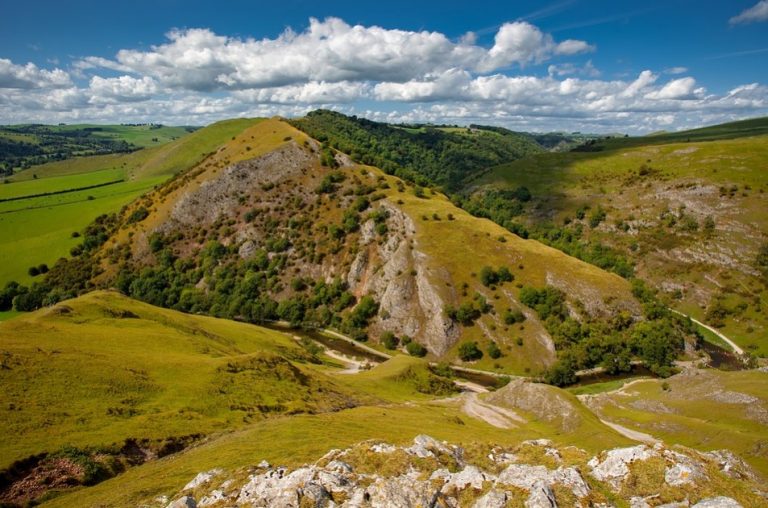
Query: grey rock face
425, 479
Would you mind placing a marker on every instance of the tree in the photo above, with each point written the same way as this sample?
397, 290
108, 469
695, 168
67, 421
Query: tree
488, 277
468, 351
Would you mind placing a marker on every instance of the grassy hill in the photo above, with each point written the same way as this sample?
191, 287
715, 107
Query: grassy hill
113, 383
98, 370
43, 206
429, 155
706, 410
23, 146
263, 230
688, 210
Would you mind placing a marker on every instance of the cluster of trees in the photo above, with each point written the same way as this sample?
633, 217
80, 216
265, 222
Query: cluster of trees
428, 156
610, 344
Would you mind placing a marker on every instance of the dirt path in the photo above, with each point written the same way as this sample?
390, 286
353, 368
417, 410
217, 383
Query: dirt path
469, 386
352, 366
632, 434
499, 417
728, 341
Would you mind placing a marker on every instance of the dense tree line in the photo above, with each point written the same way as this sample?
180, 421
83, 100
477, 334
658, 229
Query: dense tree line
427, 156
611, 344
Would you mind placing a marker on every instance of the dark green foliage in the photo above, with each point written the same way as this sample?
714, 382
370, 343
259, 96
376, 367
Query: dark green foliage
499, 205
546, 302
562, 373
8, 293
389, 340
363, 312
513, 316
327, 157
31, 299
490, 277
657, 340
466, 314
442, 369
494, 351
596, 217
427, 156
328, 184
138, 215
416, 349
468, 351
657, 344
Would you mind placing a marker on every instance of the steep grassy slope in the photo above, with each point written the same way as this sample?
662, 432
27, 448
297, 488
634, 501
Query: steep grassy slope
703, 409
691, 215
262, 230
44, 205
98, 370
443, 156
104, 378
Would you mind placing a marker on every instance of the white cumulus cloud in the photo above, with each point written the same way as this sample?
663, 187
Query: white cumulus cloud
30, 76
756, 13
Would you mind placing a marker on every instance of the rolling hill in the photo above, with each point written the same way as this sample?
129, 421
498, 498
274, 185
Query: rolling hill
684, 211
129, 418
121, 396
262, 230
43, 206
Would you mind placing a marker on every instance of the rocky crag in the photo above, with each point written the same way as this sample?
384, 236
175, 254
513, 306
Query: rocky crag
535, 474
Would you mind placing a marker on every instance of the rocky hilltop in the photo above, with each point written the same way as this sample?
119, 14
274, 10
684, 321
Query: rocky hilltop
276, 206
534, 474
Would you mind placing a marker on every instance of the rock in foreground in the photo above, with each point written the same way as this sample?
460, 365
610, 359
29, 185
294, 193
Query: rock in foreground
430, 473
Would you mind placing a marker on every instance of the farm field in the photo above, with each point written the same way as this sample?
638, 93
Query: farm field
38, 229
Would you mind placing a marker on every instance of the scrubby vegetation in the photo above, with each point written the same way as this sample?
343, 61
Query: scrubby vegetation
587, 343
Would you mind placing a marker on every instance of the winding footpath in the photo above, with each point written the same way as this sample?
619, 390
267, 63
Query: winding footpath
728, 341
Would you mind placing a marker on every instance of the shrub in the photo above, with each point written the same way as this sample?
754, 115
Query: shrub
389, 340
494, 351
469, 351
138, 215
416, 349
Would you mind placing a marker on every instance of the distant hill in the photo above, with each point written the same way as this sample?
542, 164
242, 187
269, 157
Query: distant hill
43, 206
24, 146
429, 155
685, 211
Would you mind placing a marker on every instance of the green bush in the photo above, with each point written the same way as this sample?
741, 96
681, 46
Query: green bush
389, 340
494, 351
416, 349
468, 351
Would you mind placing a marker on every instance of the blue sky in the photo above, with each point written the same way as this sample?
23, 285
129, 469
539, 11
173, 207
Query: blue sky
560, 65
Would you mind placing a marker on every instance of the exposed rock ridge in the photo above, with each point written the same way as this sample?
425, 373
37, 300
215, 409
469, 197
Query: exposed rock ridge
433, 473
405, 283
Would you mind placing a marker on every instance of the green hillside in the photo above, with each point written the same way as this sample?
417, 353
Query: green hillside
23, 146
89, 378
43, 206
684, 211
429, 155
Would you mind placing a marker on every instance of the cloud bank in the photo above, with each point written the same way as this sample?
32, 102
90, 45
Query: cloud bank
525, 79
